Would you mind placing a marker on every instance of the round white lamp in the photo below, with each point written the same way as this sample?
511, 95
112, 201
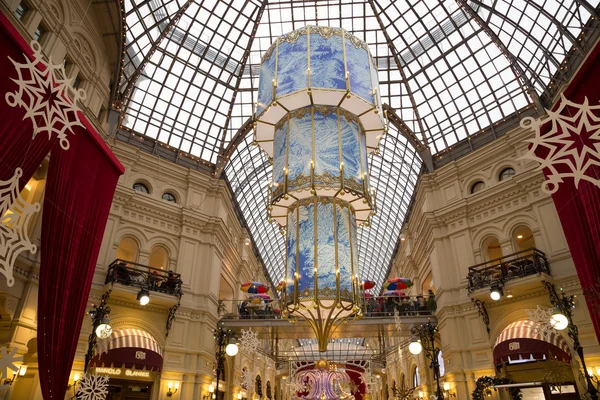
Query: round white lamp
415, 347
231, 349
559, 321
104, 330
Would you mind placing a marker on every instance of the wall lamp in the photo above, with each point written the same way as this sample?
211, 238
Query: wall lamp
143, 297
211, 393
16, 376
447, 392
496, 292
75, 380
172, 386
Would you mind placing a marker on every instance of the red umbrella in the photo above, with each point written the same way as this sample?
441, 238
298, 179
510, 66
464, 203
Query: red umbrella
397, 283
254, 287
368, 284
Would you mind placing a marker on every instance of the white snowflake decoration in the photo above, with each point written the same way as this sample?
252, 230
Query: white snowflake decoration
246, 379
397, 320
92, 387
249, 341
570, 147
44, 92
366, 378
8, 361
539, 319
102, 346
15, 215
297, 386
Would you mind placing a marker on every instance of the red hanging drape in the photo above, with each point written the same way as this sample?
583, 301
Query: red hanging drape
16, 147
79, 190
579, 209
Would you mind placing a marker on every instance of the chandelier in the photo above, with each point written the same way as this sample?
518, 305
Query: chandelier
324, 383
318, 116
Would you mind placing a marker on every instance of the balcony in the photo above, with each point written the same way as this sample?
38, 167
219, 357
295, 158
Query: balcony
141, 276
518, 265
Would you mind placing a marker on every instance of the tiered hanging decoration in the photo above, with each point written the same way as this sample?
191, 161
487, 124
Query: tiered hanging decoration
318, 117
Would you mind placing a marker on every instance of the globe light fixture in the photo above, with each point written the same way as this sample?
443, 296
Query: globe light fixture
143, 297
496, 292
231, 349
415, 347
558, 320
317, 118
104, 330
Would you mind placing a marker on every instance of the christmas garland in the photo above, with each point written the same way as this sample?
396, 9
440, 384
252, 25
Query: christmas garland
486, 381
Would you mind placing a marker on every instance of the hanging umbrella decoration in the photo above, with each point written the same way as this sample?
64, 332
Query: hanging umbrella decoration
254, 287
279, 287
368, 284
397, 283
257, 298
393, 293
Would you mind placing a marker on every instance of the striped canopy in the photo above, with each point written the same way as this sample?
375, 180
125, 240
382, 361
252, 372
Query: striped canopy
130, 348
523, 341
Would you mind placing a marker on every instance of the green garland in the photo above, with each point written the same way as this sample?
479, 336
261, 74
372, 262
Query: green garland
486, 381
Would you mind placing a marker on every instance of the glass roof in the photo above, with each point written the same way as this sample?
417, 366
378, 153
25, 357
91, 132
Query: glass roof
450, 69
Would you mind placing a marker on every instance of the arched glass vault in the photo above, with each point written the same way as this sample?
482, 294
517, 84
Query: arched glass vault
456, 74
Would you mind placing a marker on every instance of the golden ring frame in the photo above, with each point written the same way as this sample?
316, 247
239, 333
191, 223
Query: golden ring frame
324, 318
360, 197
376, 127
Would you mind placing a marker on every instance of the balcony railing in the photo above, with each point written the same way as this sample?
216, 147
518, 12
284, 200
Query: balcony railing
373, 307
144, 277
523, 263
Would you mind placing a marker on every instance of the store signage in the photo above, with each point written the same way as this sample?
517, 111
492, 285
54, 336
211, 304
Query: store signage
140, 355
514, 346
123, 372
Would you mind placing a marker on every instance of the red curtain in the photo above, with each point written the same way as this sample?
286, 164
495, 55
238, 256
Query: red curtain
16, 149
79, 190
579, 209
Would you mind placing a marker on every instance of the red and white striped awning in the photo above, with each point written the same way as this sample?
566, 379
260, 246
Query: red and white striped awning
525, 341
130, 348
133, 338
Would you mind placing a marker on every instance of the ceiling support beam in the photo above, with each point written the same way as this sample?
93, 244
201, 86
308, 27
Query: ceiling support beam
405, 131
395, 54
513, 62
245, 58
224, 155
140, 68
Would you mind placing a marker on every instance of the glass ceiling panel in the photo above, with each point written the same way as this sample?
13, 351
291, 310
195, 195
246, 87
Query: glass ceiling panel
186, 82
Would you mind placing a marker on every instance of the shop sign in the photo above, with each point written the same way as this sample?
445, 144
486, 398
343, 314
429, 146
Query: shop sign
123, 372
514, 346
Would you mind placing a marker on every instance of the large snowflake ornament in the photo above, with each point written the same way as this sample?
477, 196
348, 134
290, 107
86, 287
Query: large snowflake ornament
569, 147
47, 96
15, 215
297, 386
8, 360
539, 319
93, 387
102, 346
249, 341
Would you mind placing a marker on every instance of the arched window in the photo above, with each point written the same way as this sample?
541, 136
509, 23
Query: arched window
523, 238
441, 364
491, 249
141, 187
477, 187
258, 386
169, 197
128, 249
506, 173
416, 377
159, 257
269, 392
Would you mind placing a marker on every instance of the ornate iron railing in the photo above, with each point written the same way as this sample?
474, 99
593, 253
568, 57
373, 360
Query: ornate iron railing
373, 307
523, 263
145, 277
